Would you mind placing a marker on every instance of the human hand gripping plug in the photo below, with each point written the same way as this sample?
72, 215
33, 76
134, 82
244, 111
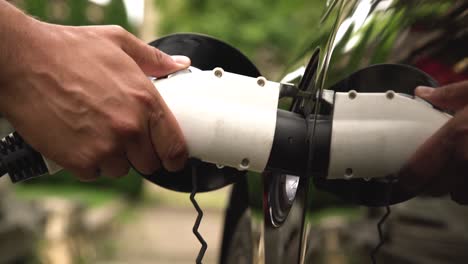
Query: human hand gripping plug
80, 96
441, 163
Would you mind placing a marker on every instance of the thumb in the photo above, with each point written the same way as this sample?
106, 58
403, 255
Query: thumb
449, 97
152, 61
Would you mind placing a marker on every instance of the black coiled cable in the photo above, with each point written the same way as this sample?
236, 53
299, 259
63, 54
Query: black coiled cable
381, 222
203, 243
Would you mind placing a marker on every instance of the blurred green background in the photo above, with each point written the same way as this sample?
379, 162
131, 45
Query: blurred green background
154, 223
272, 33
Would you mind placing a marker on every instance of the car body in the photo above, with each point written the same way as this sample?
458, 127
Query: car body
269, 218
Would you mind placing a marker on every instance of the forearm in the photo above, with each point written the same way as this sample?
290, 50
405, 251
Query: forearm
16, 29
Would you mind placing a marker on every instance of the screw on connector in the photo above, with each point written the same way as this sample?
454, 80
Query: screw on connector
352, 94
390, 95
261, 81
348, 173
245, 162
218, 72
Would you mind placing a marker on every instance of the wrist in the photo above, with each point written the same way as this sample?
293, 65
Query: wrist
17, 31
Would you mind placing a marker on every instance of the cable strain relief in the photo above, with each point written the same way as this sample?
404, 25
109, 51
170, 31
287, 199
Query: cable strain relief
19, 159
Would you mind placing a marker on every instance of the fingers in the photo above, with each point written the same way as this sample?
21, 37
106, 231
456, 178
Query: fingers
442, 162
167, 139
430, 162
160, 142
158, 136
85, 175
458, 192
115, 166
440, 165
441, 184
154, 62
451, 97
141, 154
151, 60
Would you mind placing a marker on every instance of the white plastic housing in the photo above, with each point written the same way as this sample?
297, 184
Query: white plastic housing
52, 167
227, 119
374, 134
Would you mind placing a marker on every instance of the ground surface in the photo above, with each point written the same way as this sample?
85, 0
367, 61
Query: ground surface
160, 231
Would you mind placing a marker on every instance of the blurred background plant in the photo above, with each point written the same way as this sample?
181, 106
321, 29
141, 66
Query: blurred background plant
272, 33
266, 31
127, 220
75, 217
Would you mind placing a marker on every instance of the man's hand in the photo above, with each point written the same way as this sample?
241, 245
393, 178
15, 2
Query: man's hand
80, 96
441, 164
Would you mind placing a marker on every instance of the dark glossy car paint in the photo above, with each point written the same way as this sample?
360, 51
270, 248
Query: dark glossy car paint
269, 216
352, 35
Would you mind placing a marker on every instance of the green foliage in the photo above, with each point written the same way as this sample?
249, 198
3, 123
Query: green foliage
268, 31
77, 14
37, 8
130, 185
87, 196
115, 14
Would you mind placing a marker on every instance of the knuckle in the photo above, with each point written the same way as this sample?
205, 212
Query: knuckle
127, 127
157, 55
145, 98
444, 93
177, 151
157, 117
105, 149
447, 93
117, 31
83, 163
176, 157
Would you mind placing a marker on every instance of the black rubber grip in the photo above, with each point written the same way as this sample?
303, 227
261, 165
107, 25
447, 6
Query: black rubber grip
19, 159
